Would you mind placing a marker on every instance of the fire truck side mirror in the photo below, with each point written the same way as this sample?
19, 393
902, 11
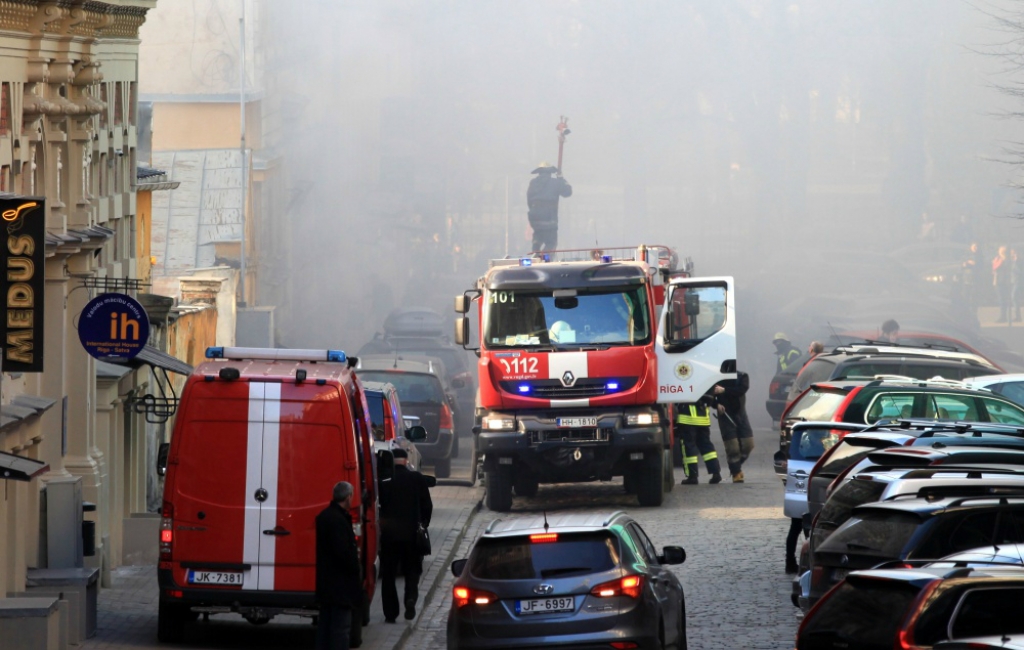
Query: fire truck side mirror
462, 331
462, 304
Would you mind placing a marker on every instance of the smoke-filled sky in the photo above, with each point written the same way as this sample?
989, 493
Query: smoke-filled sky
828, 154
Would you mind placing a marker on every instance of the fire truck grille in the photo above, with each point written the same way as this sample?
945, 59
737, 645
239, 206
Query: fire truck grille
580, 389
568, 435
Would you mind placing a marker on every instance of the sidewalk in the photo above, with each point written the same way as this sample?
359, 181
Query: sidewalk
128, 610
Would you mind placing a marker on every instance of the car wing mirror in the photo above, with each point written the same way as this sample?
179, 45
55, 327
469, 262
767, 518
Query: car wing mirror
672, 555
458, 384
458, 566
161, 458
416, 434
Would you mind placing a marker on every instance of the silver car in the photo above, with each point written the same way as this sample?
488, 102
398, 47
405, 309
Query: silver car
579, 581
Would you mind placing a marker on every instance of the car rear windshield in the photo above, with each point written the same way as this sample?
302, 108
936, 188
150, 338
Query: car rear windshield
519, 558
815, 370
842, 502
817, 404
413, 387
811, 444
874, 532
848, 453
862, 613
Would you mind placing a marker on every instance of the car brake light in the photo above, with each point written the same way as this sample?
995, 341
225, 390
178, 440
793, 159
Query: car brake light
446, 417
624, 645
631, 586
464, 596
166, 531
541, 538
905, 638
841, 411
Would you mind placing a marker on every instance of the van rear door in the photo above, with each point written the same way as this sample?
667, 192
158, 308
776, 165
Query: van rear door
310, 430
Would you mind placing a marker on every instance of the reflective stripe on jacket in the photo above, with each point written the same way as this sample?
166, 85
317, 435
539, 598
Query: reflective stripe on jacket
698, 416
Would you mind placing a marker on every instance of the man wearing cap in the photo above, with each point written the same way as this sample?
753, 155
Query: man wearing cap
339, 586
542, 199
786, 354
404, 505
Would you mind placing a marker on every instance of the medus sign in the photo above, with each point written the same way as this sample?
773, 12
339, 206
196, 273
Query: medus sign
113, 325
21, 327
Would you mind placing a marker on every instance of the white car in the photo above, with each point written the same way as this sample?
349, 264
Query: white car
1010, 386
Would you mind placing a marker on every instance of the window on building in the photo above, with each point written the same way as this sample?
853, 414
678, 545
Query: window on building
133, 103
118, 104
5, 109
106, 107
5, 177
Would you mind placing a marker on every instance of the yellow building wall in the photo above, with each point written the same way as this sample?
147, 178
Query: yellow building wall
189, 336
204, 125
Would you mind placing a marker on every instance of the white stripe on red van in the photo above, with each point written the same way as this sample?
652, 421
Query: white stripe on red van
575, 362
261, 467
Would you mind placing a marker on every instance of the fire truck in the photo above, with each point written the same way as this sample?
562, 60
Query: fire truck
582, 354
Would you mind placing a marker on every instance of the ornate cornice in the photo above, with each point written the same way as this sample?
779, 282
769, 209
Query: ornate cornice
84, 18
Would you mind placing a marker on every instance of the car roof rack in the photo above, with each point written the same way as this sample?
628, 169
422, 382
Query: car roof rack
491, 525
935, 382
1003, 500
612, 516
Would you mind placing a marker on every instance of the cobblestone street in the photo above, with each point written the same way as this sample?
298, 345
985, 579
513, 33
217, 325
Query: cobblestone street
737, 595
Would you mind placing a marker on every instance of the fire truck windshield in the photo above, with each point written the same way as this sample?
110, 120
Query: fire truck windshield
566, 319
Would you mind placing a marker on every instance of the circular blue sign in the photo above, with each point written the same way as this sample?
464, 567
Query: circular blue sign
113, 326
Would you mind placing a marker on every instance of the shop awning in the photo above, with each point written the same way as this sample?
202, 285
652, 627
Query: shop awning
156, 358
20, 468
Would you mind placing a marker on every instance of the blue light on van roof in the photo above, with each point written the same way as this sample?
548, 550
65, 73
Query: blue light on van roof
215, 352
606, 258
613, 385
525, 261
524, 388
547, 258
336, 355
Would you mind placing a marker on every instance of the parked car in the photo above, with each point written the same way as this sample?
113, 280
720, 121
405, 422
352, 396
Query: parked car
1006, 554
869, 361
870, 401
583, 580
995, 642
913, 529
1010, 386
261, 438
916, 608
778, 393
424, 332
422, 392
391, 430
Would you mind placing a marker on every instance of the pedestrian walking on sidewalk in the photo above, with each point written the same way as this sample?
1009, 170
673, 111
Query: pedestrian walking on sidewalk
339, 588
737, 435
405, 505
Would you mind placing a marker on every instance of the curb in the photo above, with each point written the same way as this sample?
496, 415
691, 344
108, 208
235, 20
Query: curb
438, 578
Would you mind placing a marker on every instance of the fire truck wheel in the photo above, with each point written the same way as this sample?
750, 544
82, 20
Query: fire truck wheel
443, 467
525, 484
170, 623
670, 477
499, 489
650, 478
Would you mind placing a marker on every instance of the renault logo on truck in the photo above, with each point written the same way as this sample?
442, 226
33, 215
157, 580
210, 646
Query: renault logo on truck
568, 379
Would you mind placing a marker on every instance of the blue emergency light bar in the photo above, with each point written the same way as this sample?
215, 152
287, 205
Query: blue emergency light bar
606, 258
276, 354
525, 261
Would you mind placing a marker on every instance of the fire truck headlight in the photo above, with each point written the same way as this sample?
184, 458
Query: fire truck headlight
497, 423
642, 419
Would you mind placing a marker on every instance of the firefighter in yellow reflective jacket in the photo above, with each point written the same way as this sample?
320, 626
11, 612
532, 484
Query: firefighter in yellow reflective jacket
693, 425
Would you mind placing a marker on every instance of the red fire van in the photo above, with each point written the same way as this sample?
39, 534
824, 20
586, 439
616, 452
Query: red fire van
261, 437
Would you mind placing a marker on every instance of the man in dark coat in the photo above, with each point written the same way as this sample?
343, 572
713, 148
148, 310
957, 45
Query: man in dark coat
404, 504
339, 586
737, 434
542, 198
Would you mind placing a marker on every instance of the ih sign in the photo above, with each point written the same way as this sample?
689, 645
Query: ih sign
113, 325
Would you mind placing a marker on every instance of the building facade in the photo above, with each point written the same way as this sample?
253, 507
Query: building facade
68, 132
